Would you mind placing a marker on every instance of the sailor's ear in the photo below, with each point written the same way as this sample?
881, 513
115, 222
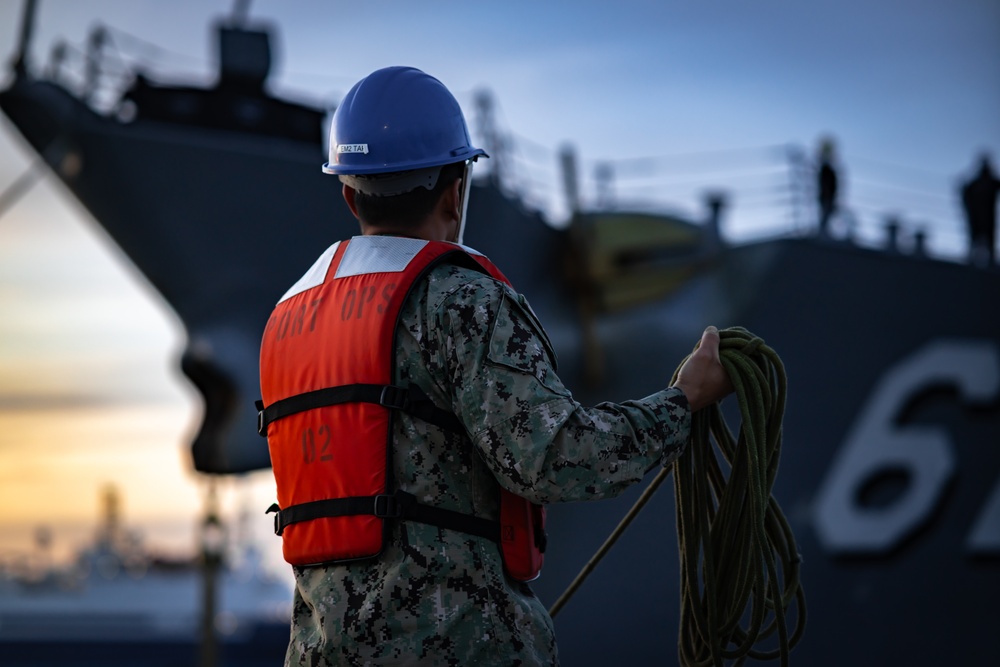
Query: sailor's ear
349, 193
453, 199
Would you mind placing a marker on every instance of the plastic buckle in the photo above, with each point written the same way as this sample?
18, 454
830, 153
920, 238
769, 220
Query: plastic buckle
386, 507
261, 424
277, 517
394, 398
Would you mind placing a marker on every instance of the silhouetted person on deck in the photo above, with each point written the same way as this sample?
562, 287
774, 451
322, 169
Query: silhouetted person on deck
826, 187
979, 198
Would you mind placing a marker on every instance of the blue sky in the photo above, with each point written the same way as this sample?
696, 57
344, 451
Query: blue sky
677, 96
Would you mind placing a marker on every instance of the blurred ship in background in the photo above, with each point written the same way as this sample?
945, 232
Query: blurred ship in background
119, 603
891, 471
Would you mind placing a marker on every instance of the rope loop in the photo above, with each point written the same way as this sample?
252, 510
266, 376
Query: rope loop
739, 562
740, 567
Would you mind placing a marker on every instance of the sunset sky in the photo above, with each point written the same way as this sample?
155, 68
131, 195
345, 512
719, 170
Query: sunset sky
90, 389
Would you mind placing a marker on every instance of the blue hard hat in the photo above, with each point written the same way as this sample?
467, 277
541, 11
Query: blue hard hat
397, 119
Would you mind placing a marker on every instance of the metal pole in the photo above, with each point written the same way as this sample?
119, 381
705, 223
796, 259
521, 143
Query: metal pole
567, 160
211, 558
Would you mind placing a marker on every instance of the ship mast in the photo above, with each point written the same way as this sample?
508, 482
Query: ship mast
24, 39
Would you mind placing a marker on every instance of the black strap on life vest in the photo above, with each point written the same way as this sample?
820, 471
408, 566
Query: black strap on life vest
411, 400
400, 505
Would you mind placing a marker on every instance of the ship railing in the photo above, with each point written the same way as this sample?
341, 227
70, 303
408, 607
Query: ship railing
770, 192
88, 72
105, 67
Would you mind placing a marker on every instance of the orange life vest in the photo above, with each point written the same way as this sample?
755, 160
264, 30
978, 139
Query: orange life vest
326, 370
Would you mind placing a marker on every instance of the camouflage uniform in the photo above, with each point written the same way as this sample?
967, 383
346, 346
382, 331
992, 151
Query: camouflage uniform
440, 597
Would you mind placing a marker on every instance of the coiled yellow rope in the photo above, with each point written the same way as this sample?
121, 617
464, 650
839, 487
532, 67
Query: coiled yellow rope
731, 523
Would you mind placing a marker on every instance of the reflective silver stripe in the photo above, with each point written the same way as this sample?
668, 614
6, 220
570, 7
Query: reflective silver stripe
315, 275
378, 254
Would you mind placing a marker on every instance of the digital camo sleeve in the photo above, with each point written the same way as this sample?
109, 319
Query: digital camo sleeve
539, 442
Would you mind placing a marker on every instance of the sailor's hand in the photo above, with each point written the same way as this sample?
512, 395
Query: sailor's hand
702, 377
